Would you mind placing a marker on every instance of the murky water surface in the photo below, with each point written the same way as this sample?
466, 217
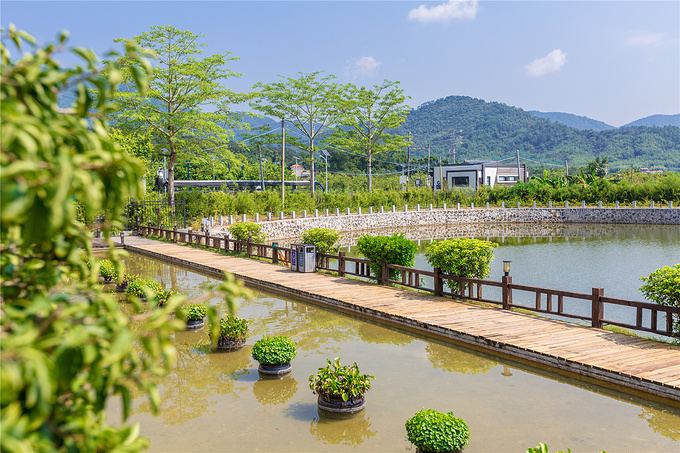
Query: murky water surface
218, 402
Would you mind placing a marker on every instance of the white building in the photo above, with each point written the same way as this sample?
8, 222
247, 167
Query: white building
472, 175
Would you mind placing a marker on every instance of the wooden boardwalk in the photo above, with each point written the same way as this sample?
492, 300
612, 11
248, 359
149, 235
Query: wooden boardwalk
620, 360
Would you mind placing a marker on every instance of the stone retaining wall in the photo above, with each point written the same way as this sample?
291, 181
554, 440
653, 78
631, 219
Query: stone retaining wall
289, 228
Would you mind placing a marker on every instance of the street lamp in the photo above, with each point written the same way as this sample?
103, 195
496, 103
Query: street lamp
325, 156
506, 267
296, 167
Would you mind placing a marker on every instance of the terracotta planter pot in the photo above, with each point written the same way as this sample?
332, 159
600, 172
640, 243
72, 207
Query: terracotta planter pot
335, 404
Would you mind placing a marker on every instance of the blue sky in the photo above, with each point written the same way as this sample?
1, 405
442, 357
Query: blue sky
614, 61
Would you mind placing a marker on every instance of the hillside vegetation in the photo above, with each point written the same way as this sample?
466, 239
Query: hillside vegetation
491, 130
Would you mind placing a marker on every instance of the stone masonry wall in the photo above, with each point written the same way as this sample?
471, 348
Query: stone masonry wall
289, 228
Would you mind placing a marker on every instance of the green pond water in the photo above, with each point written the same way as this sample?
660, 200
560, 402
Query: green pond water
218, 402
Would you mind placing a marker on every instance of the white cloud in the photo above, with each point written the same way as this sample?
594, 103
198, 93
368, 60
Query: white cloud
362, 67
445, 12
545, 65
646, 39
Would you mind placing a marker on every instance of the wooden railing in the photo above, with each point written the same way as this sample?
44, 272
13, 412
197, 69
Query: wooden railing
554, 302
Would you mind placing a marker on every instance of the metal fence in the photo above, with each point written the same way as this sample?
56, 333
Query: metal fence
157, 211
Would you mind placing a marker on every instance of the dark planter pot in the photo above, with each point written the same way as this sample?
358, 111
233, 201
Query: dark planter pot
195, 324
275, 370
121, 288
420, 450
229, 345
335, 404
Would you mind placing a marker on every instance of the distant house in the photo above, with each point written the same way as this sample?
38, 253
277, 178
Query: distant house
473, 175
299, 171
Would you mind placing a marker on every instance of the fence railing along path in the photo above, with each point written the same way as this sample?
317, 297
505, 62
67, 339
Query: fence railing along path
649, 317
644, 365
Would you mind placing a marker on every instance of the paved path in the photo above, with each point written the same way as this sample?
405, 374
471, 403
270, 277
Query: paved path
643, 365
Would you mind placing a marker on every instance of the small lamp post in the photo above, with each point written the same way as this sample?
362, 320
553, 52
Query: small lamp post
506, 267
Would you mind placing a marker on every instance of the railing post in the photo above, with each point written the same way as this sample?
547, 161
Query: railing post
596, 320
384, 272
249, 250
507, 292
438, 283
174, 233
341, 264
148, 229
207, 238
275, 253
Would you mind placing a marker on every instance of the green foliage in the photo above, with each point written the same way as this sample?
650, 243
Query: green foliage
663, 287
325, 239
338, 380
543, 448
194, 312
274, 350
164, 295
185, 101
244, 230
434, 431
231, 328
395, 249
366, 119
308, 102
461, 257
147, 288
65, 347
108, 270
126, 279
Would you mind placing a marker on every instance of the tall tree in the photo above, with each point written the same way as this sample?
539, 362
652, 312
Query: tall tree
308, 102
185, 99
367, 115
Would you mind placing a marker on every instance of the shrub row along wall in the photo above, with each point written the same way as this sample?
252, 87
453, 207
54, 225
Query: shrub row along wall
289, 228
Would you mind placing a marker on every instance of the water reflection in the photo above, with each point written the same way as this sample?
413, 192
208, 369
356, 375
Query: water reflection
662, 422
338, 429
456, 360
274, 391
372, 333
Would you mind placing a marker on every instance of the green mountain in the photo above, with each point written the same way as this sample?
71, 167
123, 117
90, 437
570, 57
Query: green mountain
491, 130
575, 121
657, 121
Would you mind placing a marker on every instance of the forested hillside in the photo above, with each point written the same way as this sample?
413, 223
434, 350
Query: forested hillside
491, 130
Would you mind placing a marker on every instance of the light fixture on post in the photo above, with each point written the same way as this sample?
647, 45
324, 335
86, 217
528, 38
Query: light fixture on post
506, 267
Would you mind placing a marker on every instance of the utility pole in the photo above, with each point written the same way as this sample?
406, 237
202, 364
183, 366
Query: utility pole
518, 168
428, 166
259, 150
566, 166
283, 161
408, 161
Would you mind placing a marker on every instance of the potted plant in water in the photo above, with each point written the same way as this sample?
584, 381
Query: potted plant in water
123, 283
139, 288
433, 431
195, 315
274, 355
232, 333
340, 388
164, 295
108, 270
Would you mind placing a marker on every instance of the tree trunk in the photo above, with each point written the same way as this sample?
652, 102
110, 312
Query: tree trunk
369, 166
171, 176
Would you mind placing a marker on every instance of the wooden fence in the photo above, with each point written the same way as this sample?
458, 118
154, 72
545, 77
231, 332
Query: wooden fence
649, 317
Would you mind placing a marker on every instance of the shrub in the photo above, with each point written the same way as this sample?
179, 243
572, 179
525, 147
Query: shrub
127, 278
108, 270
335, 379
143, 288
396, 249
164, 295
274, 350
242, 231
663, 287
461, 257
325, 239
232, 328
431, 430
195, 312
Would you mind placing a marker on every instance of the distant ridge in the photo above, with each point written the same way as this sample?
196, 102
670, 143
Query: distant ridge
568, 119
656, 121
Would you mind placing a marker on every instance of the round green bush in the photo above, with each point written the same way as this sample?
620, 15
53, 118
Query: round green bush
274, 350
232, 328
195, 312
434, 431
